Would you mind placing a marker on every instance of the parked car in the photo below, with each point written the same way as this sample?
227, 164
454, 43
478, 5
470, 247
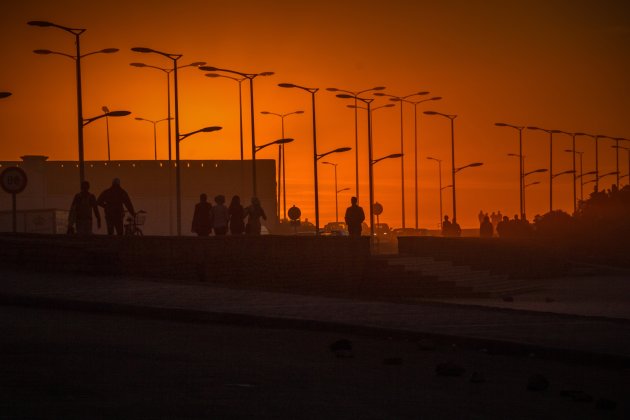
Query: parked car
335, 229
383, 232
409, 232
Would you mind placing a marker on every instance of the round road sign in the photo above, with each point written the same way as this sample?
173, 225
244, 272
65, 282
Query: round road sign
13, 180
294, 213
378, 208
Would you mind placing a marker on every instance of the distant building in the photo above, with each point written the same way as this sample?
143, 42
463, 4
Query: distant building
150, 184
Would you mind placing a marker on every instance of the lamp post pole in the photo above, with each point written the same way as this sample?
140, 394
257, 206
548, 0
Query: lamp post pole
355, 96
616, 147
551, 133
76, 32
240, 103
154, 122
334, 165
316, 157
401, 99
282, 186
439, 162
520, 163
451, 117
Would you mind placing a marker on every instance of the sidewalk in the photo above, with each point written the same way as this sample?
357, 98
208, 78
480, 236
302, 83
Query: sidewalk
519, 331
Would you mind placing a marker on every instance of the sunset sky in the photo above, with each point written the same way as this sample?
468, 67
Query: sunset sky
553, 64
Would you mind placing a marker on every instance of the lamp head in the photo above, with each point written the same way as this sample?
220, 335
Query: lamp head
5, 94
342, 149
41, 23
431, 113
42, 52
208, 68
475, 164
435, 98
137, 64
501, 124
210, 129
197, 63
378, 88
344, 96
117, 113
109, 50
266, 73
142, 50
283, 141
287, 85
299, 112
332, 89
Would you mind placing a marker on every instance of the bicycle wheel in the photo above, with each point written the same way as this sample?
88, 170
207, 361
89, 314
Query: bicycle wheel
138, 232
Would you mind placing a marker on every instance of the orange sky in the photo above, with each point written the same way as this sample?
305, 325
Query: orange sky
554, 64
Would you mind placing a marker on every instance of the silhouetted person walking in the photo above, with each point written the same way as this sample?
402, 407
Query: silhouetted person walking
486, 230
202, 217
220, 216
254, 212
236, 214
354, 218
112, 200
81, 209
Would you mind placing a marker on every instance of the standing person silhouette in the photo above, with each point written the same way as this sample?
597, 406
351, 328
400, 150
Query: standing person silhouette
81, 209
236, 215
486, 230
254, 212
220, 216
354, 218
112, 200
202, 217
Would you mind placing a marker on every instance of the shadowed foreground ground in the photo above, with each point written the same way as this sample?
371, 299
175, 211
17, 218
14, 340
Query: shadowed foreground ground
66, 364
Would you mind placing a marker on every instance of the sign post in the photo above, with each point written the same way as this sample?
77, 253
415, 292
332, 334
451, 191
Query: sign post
13, 181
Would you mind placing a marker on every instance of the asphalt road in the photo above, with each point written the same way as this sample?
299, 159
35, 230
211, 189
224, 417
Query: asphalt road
76, 365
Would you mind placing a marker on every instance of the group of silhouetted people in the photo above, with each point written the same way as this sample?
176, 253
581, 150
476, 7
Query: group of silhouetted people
84, 204
218, 219
451, 228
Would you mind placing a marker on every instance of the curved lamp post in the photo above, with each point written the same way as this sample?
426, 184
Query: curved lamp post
316, 156
250, 77
551, 133
334, 165
76, 32
168, 72
596, 139
401, 99
154, 122
415, 134
451, 117
439, 162
627, 149
355, 95
372, 163
238, 80
520, 161
281, 161
178, 191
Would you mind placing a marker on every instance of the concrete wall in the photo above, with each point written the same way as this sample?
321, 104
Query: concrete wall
280, 262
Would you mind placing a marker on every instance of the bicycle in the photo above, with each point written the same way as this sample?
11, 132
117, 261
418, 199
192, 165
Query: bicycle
133, 223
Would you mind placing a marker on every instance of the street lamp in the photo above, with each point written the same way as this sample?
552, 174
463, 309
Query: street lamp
87, 121
524, 188
470, 165
551, 133
178, 139
154, 122
372, 163
168, 94
334, 165
316, 157
525, 175
250, 77
355, 96
596, 138
451, 117
520, 161
281, 161
439, 162
238, 80
627, 149
616, 146
167, 72
401, 99
77, 59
